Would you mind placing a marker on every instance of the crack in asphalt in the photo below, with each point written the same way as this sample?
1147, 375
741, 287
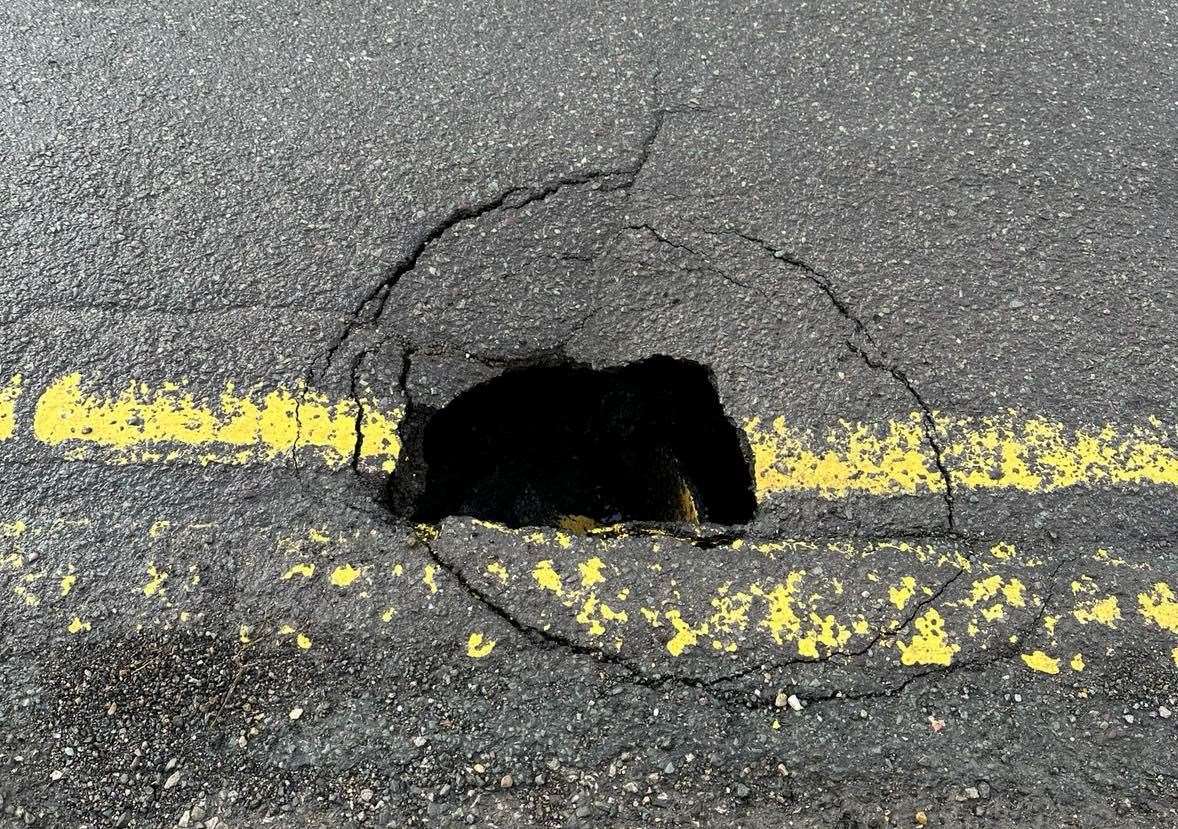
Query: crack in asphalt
881, 363
372, 306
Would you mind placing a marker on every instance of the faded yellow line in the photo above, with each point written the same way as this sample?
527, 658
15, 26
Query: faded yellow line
172, 422
1008, 452
9, 394
168, 422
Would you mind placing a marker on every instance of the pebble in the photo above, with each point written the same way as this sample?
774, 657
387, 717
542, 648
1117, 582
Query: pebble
56, 774
506, 782
971, 792
419, 741
781, 700
172, 780
921, 819
1164, 712
794, 702
295, 713
742, 791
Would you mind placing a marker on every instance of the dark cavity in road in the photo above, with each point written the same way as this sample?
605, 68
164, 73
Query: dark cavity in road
648, 441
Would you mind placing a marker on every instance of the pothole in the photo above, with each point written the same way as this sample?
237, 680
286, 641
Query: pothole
570, 446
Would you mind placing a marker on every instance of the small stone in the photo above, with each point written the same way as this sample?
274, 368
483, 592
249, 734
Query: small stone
185, 820
56, 775
1164, 712
781, 700
631, 787
583, 811
506, 782
366, 795
742, 791
172, 780
984, 789
1015, 304
419, 741
1129, 718
971, 792
295, 713
921, 819
794, 702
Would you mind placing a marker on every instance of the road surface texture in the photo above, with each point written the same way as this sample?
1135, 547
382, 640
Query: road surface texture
588, 414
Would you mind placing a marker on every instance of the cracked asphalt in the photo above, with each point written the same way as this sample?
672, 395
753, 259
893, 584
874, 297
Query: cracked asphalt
927, 257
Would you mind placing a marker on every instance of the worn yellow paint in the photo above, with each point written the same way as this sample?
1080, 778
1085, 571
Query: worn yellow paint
9, 395
303, 641
685, 636
547, 578
305, 569
428, 578
76, 625
344, 575
930, 645
243, 634
1009, 451
591, 572
1105, 612
478, 646
853, 457
389, 613
594, 614
1041, 662
496, 569
67, 583
168, 422
1160, 607
826, 631
1077, 662
782, 619
155, 581
902, 593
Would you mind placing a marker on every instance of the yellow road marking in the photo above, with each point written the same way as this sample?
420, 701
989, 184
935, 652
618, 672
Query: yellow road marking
169, 423
9, 394
172, 422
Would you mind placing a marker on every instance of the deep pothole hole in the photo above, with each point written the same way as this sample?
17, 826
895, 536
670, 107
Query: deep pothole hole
570, 446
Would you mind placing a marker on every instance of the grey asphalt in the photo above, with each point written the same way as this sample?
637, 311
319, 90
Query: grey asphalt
979, 200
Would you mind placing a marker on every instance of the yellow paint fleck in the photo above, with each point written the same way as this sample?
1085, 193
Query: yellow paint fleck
166, 422
1077, 662
13, 529
1160, 608
286, 630
155, 581
685, 635
388, 615
158, 528
1105, 612
591, 572
1039, 661
496, 569
1050, 622
9, 395
594, 614
930, 645
547, 578
243, 634
344, 575
781, 618
478, 646
902, 593
303, 641
318, 536
305, 569
1002, 551
67, 583
564, 540
1012, 590
428, 578
78, 626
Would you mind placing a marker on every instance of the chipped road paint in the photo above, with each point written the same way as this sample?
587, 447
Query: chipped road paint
169, 423
172, 422
913, 605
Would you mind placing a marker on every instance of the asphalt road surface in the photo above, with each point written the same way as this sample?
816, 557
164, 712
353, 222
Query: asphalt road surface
810, 448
